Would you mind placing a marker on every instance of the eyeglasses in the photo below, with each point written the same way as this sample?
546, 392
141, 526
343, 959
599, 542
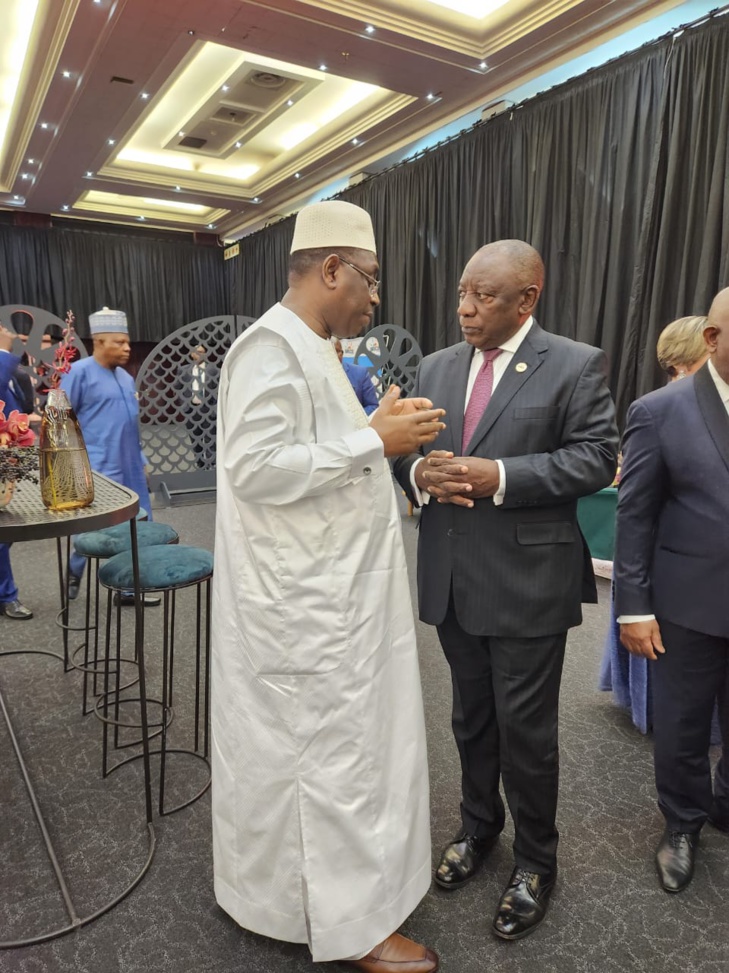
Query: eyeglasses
372, 282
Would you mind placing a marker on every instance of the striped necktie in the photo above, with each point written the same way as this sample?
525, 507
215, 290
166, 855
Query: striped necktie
480, 396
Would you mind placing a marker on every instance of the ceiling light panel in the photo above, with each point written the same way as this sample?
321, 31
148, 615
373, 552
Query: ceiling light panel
148, 208
478, 9
17, 21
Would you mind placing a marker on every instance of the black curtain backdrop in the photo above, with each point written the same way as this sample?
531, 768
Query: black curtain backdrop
619, 178
162, 281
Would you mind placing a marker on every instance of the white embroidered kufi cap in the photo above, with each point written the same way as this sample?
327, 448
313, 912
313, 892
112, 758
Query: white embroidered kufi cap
107, 321
333, 224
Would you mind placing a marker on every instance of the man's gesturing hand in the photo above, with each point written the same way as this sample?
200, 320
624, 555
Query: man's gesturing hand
642, 638
404, 433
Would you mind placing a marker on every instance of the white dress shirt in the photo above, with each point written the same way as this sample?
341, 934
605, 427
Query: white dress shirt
723, 389
500, 364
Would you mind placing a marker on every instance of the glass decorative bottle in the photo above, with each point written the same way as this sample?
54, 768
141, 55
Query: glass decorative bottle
65, 473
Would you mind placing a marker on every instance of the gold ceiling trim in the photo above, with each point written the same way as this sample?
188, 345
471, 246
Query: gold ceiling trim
474, 40
392, 22
341, 139
151, 213
30, 97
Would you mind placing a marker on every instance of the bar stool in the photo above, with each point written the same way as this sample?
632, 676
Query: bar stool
164, 570
96, 546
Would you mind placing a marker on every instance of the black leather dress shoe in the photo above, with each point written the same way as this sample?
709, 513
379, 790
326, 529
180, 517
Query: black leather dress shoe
16, 611
718, 819
675, 859
523, 904
461, 860
125, 598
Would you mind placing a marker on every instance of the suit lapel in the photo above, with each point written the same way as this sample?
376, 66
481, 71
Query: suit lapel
455, 399
713, 411
530, 353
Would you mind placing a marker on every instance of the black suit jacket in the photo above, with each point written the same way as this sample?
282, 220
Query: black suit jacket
672, 539
520, 569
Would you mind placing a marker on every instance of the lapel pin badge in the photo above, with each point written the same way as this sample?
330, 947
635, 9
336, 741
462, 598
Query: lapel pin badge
521, 366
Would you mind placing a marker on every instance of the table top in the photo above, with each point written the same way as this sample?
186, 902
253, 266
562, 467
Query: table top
26, 518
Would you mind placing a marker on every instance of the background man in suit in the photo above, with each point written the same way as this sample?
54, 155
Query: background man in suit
671, 585
502, 566
11, 394
197, 387
359, 379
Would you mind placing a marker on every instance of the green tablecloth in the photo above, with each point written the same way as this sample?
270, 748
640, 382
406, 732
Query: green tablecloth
596, 515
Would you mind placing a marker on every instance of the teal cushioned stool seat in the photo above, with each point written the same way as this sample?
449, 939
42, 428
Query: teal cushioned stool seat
97, 545
168, 569
115, 540
160, 568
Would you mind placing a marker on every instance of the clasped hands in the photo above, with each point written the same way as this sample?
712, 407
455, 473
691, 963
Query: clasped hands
457, 479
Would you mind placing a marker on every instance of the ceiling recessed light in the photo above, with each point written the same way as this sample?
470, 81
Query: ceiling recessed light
111, 141
369, 29
238, 145
297, 175
181, 134
16, 197
211, 226
355, 141
322, 67
430, 96
483, 65
226, 87
178, 189
89, 174
191, 33
44, 124
66, 74
97, 1
290, 102
256, 199
25, 175
31, 162
65, 206
141, 217
145, 95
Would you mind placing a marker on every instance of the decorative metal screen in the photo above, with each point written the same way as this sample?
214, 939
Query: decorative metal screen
177, 386
38, 331
391, 356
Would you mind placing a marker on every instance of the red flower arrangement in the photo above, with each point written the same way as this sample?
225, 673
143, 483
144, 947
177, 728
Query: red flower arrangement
18, 458
15, 430
65, 352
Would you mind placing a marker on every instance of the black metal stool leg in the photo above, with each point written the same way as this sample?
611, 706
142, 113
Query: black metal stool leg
105, 694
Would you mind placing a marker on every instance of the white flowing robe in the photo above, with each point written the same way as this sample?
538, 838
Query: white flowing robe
321, 830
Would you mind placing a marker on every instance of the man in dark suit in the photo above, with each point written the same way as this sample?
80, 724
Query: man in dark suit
502, 565
197, 388
672, 587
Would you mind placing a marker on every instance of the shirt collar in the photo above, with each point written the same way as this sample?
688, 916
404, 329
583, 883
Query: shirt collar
721, 386
512, 345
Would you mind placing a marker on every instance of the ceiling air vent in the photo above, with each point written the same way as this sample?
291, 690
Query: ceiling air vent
115, 79
233, 116
265, 79
190, 142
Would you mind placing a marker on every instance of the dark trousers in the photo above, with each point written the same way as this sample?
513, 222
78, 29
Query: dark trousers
693, 672
505, 721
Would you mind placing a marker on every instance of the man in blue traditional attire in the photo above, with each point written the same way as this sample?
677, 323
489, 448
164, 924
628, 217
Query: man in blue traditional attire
359, 379
11, 395
104, 398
